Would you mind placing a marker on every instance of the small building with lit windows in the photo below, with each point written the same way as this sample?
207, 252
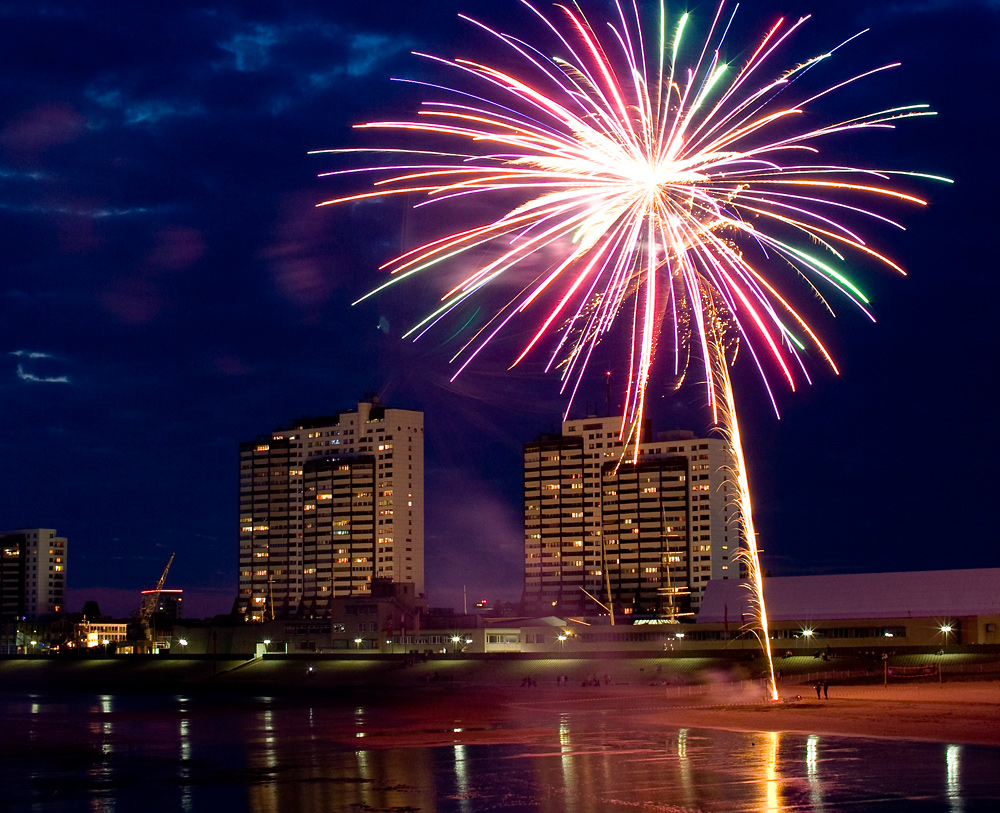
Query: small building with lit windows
94, 634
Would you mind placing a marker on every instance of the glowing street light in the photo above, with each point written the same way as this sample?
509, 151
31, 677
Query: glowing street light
455, 640
357, 642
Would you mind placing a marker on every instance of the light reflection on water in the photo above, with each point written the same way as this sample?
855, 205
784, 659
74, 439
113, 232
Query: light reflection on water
953, 756
812, 774
117, 754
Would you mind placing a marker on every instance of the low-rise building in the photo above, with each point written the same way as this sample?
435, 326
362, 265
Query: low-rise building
814, 615
93, 634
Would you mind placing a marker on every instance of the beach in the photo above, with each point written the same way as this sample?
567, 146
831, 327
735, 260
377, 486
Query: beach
522, 700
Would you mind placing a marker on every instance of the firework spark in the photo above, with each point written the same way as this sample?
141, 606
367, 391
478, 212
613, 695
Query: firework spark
661, 177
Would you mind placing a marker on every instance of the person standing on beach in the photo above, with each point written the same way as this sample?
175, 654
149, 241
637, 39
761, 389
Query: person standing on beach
826, 689
819, 687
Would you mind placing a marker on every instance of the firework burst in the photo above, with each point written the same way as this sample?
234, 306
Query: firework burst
650, 178
676, 191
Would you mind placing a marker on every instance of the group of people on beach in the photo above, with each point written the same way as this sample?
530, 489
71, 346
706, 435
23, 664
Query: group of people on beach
822, 689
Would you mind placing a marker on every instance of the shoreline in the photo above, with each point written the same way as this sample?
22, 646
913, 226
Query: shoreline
964, 714
453, 700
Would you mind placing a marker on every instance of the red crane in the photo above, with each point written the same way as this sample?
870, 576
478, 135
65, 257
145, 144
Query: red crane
150, 598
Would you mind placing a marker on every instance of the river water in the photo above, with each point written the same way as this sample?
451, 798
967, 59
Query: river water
124, 753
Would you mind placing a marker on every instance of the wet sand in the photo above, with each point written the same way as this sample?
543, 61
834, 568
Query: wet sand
960, 713
966, 713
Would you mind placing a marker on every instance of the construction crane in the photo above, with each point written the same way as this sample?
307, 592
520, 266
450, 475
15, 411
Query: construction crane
149, 601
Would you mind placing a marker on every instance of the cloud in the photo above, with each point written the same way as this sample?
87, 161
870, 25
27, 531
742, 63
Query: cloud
30, 354
322, 51
251, 49
135, 111
26, 376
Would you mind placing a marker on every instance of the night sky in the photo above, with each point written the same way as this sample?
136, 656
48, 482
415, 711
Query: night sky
168, 289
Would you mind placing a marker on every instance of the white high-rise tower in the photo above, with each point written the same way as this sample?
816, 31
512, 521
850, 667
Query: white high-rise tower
327, 505
646, 536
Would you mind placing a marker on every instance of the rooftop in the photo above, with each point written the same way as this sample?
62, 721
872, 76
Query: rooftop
917, 594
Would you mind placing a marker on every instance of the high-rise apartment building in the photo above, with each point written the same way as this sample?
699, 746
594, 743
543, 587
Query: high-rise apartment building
646, 536
326, 505
32, 574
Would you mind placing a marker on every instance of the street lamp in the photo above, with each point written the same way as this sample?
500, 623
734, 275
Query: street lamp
946, 631
455, 640
105, 642
357, 642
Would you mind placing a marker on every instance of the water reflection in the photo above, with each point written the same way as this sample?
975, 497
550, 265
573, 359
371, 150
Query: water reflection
264, 760
953, 784
566, 761
100, 774
461, 778
684, 768
812, 773
112, 754
771, 802
184, 752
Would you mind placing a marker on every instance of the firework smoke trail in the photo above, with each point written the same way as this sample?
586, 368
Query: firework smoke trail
652, 178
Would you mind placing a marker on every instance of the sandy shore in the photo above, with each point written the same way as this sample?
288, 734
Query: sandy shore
961, 713
966, 713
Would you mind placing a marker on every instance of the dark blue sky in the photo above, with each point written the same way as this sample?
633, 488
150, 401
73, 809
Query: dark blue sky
168, 289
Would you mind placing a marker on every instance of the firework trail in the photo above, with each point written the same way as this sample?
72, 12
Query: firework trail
729, 425
653, 172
